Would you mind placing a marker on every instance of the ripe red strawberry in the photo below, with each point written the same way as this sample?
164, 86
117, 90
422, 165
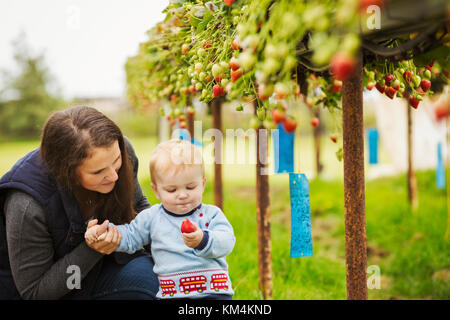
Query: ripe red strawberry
277, 116
390, 92
187, 226
408, 75
315, 122
234, 63
218, 91
334, 138
380, 88
236, 74
228, 2
218, 79
342, 65
442, 110
364, 4
425, 85
388, 79
206, 44
413, 102
289, 124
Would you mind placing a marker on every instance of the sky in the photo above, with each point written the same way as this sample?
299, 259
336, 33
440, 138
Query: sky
85, 43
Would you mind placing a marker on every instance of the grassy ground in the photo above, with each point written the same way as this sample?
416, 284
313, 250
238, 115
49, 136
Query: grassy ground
408, 246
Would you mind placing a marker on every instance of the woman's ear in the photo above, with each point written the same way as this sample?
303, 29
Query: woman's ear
155, 191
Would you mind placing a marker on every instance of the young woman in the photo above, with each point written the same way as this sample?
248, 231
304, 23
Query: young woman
84, 173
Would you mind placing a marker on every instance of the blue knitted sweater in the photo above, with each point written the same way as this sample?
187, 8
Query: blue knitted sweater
183, 272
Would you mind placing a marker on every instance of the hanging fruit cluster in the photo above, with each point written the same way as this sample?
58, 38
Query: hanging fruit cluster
251, 49
402, 79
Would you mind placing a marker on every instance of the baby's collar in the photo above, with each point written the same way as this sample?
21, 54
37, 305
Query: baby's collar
181, 215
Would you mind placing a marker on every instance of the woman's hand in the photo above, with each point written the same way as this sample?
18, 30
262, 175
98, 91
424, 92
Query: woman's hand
109, 242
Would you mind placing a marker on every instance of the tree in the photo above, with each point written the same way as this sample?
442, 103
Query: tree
26, 98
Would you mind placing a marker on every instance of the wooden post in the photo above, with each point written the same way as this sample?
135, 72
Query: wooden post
316, 133
354, 189
216, 106
263, 212
412, 182
447, 173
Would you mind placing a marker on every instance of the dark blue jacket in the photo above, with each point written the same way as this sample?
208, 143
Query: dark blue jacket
63, 215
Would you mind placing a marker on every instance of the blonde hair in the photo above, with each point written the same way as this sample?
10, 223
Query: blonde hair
174, 155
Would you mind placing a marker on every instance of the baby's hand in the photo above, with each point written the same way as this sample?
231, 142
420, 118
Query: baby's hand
193, 239
92, 234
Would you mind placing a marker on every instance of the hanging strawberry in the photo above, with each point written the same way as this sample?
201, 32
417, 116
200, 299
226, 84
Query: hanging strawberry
278, 116
425, 85
218, 91
289, 124
315, 122
342, 65
228, 2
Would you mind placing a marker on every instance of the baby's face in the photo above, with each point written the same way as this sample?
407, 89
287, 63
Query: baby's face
181, 192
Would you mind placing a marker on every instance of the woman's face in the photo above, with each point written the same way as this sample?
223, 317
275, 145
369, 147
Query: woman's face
99, 171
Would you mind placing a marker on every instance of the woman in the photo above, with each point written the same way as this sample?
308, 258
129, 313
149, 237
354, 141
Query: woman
85, 172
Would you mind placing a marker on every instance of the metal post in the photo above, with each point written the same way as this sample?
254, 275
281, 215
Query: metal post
263, 213
216, 105
354, 189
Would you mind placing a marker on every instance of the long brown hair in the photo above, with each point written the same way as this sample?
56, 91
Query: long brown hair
68, 137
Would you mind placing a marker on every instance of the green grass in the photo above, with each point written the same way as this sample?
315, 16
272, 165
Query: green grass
408, 246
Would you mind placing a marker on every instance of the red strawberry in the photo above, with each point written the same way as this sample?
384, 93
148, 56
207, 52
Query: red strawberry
334, 138
315, 122
206, 44
234, 63
430, 66
228, 2
183, 124
187, 226
289, 124
218, 91
218, 79
370, 85
236, 74
390, 92
342, 65
408, 75
414, 102
364, 4
425, 85
388, 79
442, 110
277, 116
380, 88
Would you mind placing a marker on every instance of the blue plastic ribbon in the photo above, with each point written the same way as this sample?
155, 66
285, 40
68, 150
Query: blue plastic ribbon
283, 144
372, 136
301, 236
440, 171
